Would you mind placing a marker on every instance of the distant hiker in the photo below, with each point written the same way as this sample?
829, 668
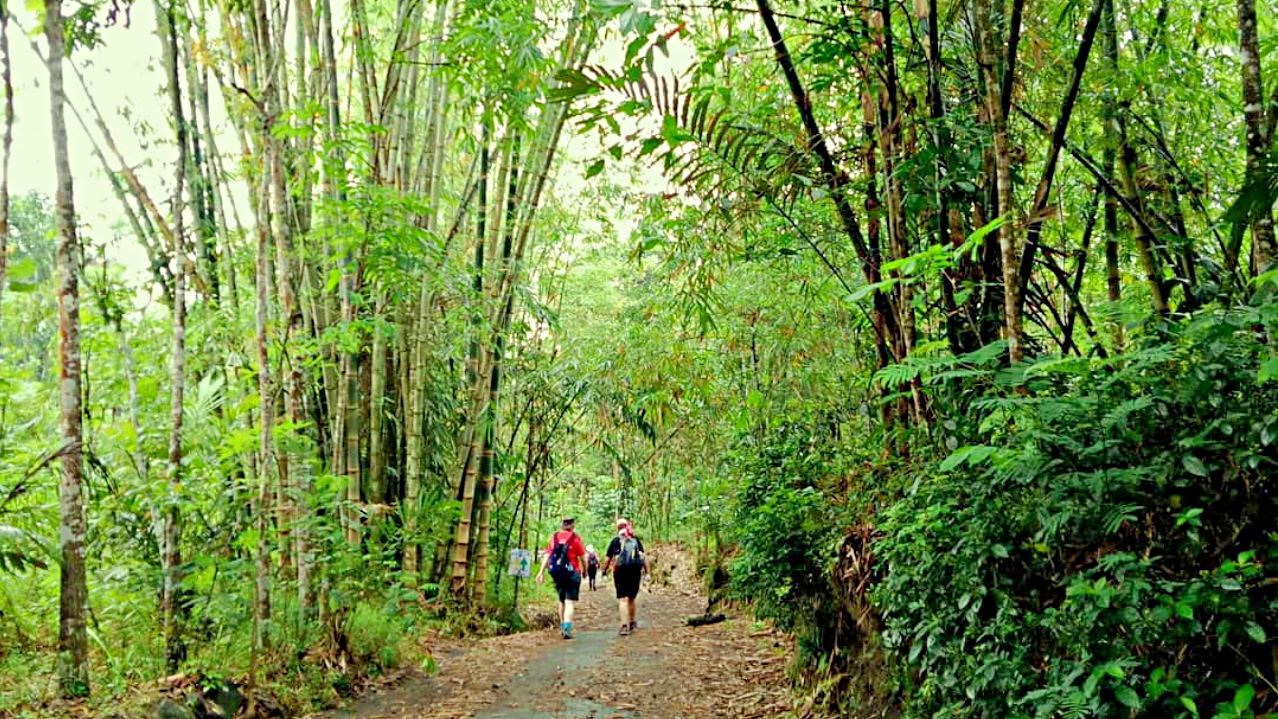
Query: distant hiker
626, 558
592, 565
564, 559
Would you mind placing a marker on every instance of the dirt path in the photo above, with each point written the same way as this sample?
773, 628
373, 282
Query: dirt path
665, 670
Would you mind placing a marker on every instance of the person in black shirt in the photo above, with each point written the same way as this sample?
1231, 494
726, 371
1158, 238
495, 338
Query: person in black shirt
627, 560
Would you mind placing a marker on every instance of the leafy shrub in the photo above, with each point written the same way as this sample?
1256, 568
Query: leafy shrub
375, 635
785, 530
1107, 550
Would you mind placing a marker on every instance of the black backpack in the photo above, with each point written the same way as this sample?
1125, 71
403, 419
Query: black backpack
560, 567
628, 554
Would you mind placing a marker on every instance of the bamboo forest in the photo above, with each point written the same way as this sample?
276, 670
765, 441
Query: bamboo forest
929, 346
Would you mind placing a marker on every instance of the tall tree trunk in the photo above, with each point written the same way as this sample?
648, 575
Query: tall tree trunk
215, 185
883, 315
487, 485
1145, 239
413, 445
170, 604
507, 228
470, 447
1264, 246
265, 166
7, 74
1043, 192
1109, 159
1009, 251
889, 132
954, 330
199, 179
348, 408
487, 482
266, 419
291, 462
433, 156
73, 638
150, 209
1126, 163
377, 405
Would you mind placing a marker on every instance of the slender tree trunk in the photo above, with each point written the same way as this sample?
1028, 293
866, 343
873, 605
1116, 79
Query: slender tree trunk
73, 639
470, 447
290, 461
377, 407
214, 187
883, 314
954, 329
170, 606
1009, 249
334, 180
266, 419
1265, 247
487, 484
151, 210
1145, 239
413, 447
1043, 192
1109, 159
198, 180
335, 169
433, 156
351, 434
890, 145
7, 74
886, 350
1125, 159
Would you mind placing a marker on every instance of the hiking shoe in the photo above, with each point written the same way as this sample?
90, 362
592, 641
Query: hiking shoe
625, 630
634, 626
567, 630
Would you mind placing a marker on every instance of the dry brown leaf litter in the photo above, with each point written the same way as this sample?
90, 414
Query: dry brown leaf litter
666, 670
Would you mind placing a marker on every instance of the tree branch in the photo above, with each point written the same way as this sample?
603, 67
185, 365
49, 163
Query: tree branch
1043, 193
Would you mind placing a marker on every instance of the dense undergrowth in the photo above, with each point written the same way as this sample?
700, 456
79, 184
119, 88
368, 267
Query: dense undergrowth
371, 631
1080, 537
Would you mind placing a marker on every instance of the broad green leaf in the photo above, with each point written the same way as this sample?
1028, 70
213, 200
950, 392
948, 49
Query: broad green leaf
1268, 370
1194, 465
1243, 696
1256, 632
1127, 697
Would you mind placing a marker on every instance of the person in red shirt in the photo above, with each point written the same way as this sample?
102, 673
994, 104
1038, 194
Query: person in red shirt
565, 560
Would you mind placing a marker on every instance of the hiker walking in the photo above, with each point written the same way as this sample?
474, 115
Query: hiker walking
592, 564
626, 559
565, 555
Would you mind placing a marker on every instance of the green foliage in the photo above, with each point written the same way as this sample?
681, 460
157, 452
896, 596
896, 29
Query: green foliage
784, 524
1105, 552
785, 530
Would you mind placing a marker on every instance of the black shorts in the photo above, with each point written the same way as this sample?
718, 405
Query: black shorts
568, 586
627, 582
